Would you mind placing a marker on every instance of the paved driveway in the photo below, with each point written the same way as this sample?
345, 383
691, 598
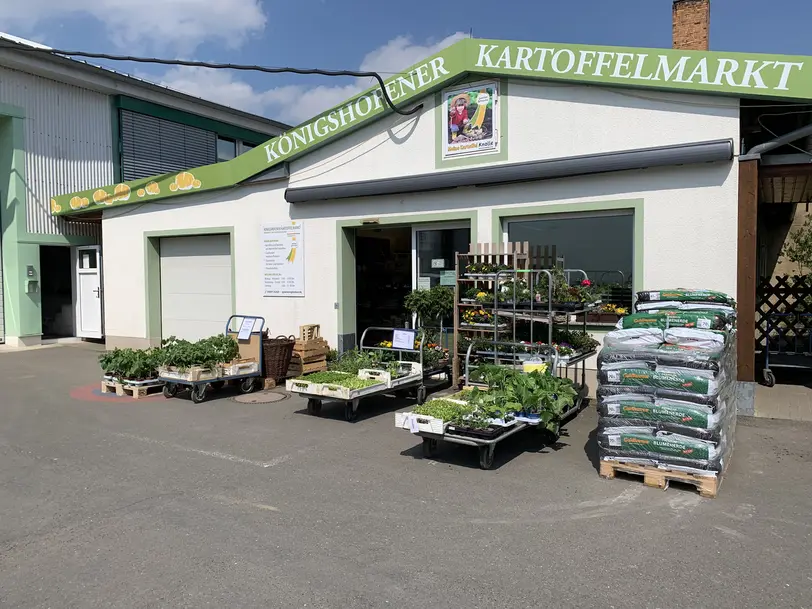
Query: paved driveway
161, 503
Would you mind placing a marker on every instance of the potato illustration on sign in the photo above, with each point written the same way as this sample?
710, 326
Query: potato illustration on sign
55, 207
185, 180
102, 196
141, 192
153, 188
79, 202
122, 193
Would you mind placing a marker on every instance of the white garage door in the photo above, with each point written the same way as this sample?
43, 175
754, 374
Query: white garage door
195, 286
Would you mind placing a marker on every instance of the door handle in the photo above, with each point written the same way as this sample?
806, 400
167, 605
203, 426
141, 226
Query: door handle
97, 292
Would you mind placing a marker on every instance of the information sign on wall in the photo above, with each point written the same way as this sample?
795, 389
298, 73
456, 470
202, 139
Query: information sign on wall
471, 116
283, 259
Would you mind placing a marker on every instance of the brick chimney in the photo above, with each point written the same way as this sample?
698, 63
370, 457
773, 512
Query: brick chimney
691, 25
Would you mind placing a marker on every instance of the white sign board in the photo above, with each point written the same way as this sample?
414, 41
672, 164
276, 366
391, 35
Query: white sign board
437, 263
403, 339
283, 259
246, 328
424, 283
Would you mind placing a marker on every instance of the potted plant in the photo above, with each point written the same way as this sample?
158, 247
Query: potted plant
430, 306
130, 366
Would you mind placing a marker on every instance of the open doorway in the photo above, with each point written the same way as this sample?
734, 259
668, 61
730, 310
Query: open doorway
56, 291
383, 276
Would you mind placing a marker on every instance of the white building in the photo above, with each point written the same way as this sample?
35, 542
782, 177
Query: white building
625, 160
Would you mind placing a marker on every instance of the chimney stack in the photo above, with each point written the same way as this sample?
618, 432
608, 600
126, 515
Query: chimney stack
691, 25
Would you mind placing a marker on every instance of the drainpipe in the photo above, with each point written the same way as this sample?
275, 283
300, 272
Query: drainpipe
756, 151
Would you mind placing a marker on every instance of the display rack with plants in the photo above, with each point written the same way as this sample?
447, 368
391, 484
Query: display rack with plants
517, 310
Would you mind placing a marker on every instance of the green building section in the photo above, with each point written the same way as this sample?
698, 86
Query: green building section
738, 75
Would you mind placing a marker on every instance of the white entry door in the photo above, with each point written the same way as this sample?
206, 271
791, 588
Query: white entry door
89, 292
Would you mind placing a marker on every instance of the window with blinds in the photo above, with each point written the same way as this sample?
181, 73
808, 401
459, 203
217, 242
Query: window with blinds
152, 146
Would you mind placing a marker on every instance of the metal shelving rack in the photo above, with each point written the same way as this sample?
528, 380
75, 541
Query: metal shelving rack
501, 333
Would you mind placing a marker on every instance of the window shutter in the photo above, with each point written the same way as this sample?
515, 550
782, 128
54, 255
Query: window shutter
152, 146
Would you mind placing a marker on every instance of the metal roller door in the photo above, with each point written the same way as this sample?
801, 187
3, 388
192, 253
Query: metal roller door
196, 286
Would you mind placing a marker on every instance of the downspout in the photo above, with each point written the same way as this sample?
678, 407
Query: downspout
754, 154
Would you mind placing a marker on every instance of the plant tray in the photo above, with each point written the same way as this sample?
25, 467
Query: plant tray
241, 367
419, 423
300, 386
345, 393
192, 374
384, 376
133, 382
491, 432
483, 326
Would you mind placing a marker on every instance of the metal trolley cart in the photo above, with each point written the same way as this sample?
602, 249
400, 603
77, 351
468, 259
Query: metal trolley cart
248, 369
788, 343
432, 435
412, 384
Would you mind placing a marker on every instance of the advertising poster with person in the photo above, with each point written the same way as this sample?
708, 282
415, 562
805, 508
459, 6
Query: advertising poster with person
472, 119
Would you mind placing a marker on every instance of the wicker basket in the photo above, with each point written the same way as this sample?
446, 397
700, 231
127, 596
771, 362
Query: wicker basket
276, 354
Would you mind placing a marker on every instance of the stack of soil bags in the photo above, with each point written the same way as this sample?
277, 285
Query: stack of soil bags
666, 394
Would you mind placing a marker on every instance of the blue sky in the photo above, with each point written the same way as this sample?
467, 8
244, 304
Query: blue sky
359, 33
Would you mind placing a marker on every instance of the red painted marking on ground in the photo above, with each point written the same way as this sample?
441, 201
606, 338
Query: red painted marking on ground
93, 393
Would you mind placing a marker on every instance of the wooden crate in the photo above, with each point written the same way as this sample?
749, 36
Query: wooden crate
708, 486
309, 332
133, 391
297, 368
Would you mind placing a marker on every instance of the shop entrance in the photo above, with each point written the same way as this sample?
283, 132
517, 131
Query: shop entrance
56, 291
383, 276
392, 261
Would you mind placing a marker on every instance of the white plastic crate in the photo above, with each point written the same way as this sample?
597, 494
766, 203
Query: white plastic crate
419, 423
414, 371
240, 368
345, 393
302, 386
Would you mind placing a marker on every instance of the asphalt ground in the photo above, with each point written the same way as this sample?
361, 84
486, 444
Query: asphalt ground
110, 502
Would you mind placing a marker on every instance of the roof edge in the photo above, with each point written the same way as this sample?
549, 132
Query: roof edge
738, 75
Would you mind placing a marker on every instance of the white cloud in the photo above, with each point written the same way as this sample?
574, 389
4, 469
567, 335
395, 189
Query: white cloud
296, 103
162, 25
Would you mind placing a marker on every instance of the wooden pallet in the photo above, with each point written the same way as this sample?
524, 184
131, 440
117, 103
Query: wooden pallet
708, 486
133, 391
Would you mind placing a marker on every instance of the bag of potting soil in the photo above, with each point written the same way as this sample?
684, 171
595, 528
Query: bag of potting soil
683, 295
675, 318
676, 416
634, 336
692, 337
660, 447
713, 401
679, 356
702, 382
654, 307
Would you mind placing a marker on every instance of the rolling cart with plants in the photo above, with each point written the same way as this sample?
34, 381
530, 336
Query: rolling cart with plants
361, 373
511, 402
207, 365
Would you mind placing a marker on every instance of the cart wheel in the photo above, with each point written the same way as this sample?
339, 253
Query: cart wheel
198, 393
350, 412
248, 385
421, 394
429, 447
313, 407
170, 390
769, 378
218, 385
486, 456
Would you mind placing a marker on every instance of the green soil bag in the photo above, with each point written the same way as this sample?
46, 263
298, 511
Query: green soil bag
676, 318
659, 446
682, 295
675, 379
642, 408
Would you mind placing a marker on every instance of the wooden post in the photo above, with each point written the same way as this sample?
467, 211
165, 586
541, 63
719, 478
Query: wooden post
746, 275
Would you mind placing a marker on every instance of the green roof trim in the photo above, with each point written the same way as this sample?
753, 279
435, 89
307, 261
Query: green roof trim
743, 75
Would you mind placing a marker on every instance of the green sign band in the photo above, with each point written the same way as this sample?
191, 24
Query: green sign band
731, 74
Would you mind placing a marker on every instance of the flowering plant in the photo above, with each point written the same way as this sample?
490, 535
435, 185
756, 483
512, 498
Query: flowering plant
477, 316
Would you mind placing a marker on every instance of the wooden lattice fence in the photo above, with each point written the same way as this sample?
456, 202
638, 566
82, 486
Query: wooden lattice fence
783, 312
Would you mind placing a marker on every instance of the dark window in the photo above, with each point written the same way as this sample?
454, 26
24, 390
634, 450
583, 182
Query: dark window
226, 149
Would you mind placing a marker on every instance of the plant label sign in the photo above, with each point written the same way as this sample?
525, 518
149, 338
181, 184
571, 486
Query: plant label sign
246, 328
283, 259
403, 339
